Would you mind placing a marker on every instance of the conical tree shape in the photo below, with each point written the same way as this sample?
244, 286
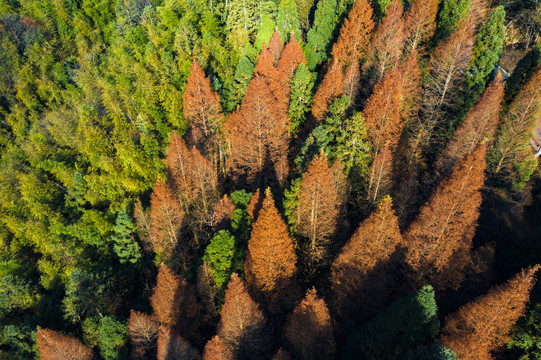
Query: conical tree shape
484, 324
440, 239
386, 47
53, 345
355, 34
243, 325
330, 88
217, 349
166, 220
172, 346
143, 333
203, 112
257, 134
361, 276
223, 211
420, 23
321, 204
276, 46
291, 57
270, 264
265, 68
479, 126
308, 330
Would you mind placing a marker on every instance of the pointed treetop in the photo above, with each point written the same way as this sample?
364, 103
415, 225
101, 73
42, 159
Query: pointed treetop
276, 45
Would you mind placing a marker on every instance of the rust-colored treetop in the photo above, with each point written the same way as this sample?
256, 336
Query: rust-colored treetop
292, 56
53, 345
276, 46
420, 24
330, 88
382, 113
271, 262
381, 175
386, 48
143, 330
257, 134
479, 126
266, 68
217, 349
255, 204
355, 34
202, 110
173, 301
483, 325
321, 204
308, 330
221, 217
440, 239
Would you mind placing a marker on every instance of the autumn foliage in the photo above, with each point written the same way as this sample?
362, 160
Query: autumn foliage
330, 88
420, 23
143, 333
172, 346
483, 325
217, 349
53, 345
308, 330
221, 217
292, 56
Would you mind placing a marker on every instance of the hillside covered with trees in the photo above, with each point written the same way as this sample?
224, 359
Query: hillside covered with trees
270, 179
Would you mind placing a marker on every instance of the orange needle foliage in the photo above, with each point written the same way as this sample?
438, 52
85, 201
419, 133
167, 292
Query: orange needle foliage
173, 301
420, 22
479, 126
53, 345
265, 68
217, 349
361, 274
321, 204
483, 325
291, 57
276, 46
331, 87
255, 204
270, 265
203, 112
440, 239
143, 332
243, 325
308, 330
381, 175
257, 134
221, 218
172, 346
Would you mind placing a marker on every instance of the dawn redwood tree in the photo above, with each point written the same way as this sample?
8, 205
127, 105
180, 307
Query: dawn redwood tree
308, 330
143, 225
174, 303
276, 46
255, 204
258, 135
321, 206
483, 325
172, 346
222, 214
271, 262
362, 275
217, 349
420, 23
53, 345
265, 68
480, 125
352, 78
203, 112
207, 291
386, 47
166, 220
290, 59
143, 333
381, 175
330, 88
243, 326
440, 239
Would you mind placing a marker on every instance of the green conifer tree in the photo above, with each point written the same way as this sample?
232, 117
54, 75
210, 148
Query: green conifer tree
320, 36
449, 17
301, 97
287, 21
125, 246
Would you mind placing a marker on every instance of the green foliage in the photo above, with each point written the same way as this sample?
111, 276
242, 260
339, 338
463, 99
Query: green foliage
264, 34
113, 338
91, 331
451, 13
287, 21
223, 258
125, 246
523, 71
241, 198
291, 203
525, 342
406, 325
380, 8
301, 97
320, 36
15, 295
243, 75
85, 295
17, 342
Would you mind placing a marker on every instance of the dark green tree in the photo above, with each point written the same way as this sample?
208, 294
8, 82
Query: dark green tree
452, 12
125, 246
287, 20
301, 96
320, 36
222, 256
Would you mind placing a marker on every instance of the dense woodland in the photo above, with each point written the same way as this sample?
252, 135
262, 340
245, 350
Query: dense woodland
270, 179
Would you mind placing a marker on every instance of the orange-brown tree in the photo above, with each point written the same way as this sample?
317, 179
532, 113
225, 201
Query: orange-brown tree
172, 346
480, 125
386, 48
362, 276
217, 349
276, 46
420, 23
221, 217
243, 326
257, 134
255, 204
308, 331
143, 333
381, 176
174, 303
290, 59
330, 88
266, 68
352, 78
483, 325
203, 112
271, 262
440, 239
321, 206
53, 345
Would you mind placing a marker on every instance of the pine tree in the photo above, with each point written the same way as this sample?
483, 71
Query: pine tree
420, 23
362, 275
287, 21
512, 160
143, 333
386, 48
320, 36
355, 34
217, 349
270, 264
301, 97
308, 330
329, 89
292, 57
203, 112
174, 303
479, 126
257, 134
321, 206
53, 345
483, 325
243, 325
440, 239
125, 247
166, 220
172, 346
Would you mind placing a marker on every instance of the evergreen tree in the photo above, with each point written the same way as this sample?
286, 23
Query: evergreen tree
452, 13
223, 257
125, 247
301, 97
320, 36
303, 13
243, 75
266, 31
113, 335
287, 20
380, 8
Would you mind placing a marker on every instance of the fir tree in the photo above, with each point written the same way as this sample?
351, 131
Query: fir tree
301, 97
451, 15
125, 247
319, 38
287, 21
243, 75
